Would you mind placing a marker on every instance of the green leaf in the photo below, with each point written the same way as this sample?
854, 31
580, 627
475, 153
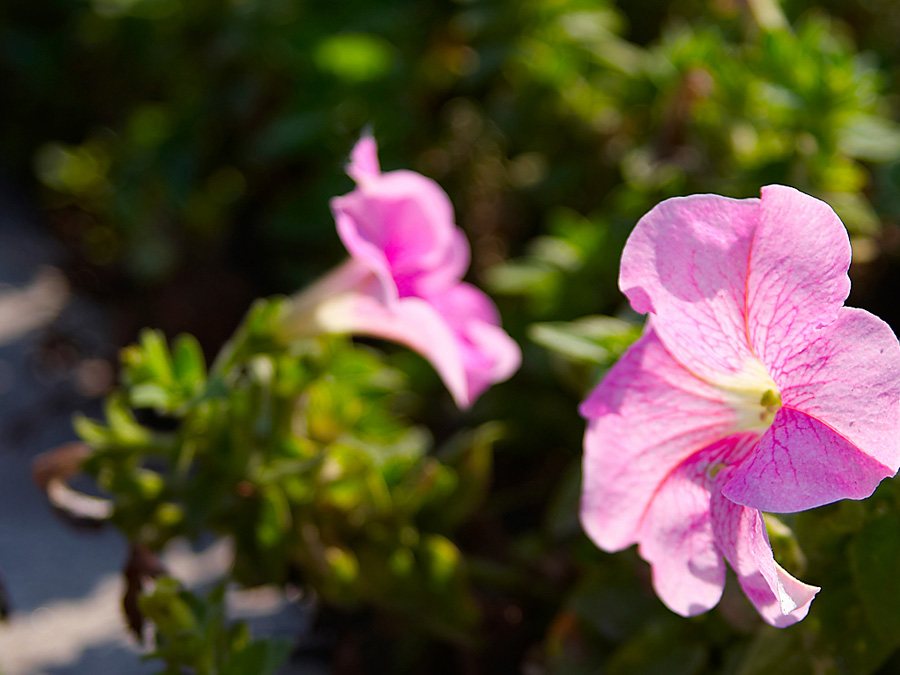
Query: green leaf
660, 649
520, 277
93, 433
149, 395
875, 563
596, 339
784, 545
777, 652
188, 362
471, 456
122, 424
259, 658
274, 517
870, 138
167, 608
442, 561
156, 354
355, 57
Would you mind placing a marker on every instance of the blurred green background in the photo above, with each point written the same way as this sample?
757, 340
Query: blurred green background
184, 154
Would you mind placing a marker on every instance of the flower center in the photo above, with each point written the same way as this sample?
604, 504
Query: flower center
754, 396
770, 403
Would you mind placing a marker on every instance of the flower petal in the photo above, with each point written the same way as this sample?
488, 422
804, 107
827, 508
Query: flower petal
412, 322
838, 434
456, 331
402, 219
677, 539
303, 319
361, 248
797, 278
489, 354
447, 273
364, 160
646, 417
741, 535
686, 262
801, 463
849, 378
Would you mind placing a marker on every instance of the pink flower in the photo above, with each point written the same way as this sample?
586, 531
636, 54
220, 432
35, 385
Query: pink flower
403, 280
752, 389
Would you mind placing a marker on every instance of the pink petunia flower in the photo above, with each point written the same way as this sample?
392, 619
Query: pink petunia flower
402, 281
752, 389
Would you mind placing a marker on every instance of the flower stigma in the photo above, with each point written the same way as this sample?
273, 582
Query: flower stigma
753, 394
770, 402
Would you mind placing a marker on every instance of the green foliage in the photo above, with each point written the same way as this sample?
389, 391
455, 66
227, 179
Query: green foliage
717, 104
145, 169
192, 633
298, 453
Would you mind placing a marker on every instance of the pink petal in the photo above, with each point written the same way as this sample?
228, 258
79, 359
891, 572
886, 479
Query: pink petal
741, 535
350, 277
489, 354
849, 378
450, 331
677, 539
647, 416
838, 434
798, 272
412, 322
801, 463
403, 280
447, 273
403, 214
686, 262
363, 250
364, 160
464, 302
400, 225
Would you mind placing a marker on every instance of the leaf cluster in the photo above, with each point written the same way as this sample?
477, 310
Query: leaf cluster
300, 453
193, 633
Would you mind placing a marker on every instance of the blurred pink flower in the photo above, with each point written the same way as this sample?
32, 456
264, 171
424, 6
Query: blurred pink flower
752, 389
402, 281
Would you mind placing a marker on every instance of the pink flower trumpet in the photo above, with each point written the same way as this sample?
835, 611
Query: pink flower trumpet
752, 389
402, 281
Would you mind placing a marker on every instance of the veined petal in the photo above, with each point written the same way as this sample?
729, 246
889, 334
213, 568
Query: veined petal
801, 463
686, 262
797, 278
741, 536
678, 541
849, 378
838, 434
646, 417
